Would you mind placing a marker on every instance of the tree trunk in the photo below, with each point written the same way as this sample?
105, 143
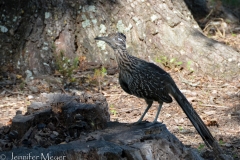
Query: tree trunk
33, 31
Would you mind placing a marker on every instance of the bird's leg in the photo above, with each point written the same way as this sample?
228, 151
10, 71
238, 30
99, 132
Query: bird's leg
159, 109
149, 102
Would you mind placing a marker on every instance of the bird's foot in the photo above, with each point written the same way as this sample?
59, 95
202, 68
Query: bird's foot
152, 123
139, 122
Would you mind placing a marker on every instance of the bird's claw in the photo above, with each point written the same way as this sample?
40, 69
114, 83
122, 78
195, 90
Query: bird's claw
139, 122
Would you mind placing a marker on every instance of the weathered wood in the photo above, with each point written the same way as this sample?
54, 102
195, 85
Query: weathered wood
66, 109
118, 141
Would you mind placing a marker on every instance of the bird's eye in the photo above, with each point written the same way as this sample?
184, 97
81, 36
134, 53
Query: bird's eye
120, 39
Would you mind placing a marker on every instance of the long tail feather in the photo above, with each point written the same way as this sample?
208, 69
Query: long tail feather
193, 116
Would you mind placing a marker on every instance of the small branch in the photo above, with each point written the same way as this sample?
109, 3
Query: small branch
129, 110
212, 105
189, 83
222, 86
237, 92
112, 95
13, 92
208, 15
61, 88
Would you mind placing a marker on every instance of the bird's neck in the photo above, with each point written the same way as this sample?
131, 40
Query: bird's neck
122, 57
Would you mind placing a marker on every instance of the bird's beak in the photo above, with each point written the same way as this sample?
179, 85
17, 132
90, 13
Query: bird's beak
105, 39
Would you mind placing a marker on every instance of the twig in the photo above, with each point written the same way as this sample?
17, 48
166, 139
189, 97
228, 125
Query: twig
13, 92
51, 80
208, 15
212, 105
111, 95
61, 88
189, 83
237, 92
129, 110
222, 86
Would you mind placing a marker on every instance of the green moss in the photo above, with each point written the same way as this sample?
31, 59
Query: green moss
169, 62
200, 147
112, 110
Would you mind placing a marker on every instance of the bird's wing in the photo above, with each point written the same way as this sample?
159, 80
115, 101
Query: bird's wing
157, 81
124, 86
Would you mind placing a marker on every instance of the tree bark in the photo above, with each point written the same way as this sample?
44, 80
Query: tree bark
33, 31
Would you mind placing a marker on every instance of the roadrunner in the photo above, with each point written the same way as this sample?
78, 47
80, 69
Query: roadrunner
150, 82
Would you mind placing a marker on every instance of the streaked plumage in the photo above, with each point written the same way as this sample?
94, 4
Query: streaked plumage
150, 82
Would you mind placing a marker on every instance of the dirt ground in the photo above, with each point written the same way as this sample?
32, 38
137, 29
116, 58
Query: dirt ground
216, 101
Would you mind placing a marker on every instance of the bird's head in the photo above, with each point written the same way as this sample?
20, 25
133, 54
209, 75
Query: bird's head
114, 40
